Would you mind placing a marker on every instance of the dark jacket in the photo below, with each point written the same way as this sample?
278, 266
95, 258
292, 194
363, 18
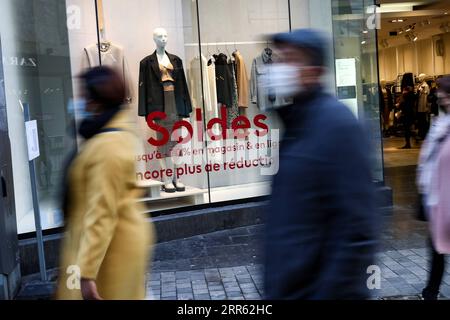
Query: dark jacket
320, 234
407, 105
224, 80
151, 93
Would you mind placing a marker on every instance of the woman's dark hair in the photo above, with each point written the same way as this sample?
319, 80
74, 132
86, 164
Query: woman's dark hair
105, 86
407, 80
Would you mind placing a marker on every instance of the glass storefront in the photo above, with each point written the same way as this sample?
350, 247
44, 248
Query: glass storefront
356, 63
37, 71
216, 48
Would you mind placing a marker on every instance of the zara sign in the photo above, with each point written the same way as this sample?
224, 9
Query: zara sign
18, 61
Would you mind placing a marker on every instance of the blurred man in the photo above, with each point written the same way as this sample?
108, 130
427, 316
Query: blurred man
320, 236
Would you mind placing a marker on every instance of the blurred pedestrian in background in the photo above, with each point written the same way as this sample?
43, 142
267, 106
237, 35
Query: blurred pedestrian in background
434, 186
407, 104
107, 241
321, 226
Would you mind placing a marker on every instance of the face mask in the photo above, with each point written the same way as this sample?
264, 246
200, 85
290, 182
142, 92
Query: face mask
78, 108
282, 80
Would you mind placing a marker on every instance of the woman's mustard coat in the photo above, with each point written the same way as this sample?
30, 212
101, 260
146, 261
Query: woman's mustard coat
108, 238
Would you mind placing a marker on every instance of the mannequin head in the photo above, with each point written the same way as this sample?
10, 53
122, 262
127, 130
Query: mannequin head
160, 37
422, 77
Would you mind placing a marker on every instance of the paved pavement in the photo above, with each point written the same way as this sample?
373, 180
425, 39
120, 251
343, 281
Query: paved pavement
234, 271
228, 264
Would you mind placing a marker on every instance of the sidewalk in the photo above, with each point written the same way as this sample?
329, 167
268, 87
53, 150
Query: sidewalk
404, 271
228, 264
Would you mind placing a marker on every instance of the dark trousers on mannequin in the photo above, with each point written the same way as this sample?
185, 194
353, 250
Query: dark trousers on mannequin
437, 269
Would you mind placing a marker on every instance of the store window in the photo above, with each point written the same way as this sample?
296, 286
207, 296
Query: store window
217, 50
191, 69
356, 66
36, 61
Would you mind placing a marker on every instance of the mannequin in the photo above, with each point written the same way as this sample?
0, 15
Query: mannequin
163, 87
160, 37
423, 107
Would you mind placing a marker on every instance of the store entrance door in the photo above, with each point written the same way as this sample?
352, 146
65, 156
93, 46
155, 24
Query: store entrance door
412, 54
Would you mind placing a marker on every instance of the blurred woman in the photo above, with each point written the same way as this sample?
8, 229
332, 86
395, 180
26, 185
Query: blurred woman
434, 186
407, 104
107, 243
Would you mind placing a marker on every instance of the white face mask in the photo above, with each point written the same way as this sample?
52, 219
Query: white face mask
282, 79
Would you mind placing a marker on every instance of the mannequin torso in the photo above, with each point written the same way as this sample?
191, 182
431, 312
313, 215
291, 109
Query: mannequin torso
163, 58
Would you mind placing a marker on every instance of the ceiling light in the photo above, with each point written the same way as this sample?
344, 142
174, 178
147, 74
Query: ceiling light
397, 7
415, 38
365, 32
400, 31
398, 20
363, 42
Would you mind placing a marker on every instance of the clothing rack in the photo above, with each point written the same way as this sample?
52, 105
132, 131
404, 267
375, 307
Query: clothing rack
212, 44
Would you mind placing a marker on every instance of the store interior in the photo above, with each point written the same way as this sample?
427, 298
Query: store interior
413, 51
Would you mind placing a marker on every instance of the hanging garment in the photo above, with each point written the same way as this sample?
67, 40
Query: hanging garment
151, 91
242, 80
112, 55
224, 80
233, 111
200, 76
215, 157
424, 91
264, 98
211, 70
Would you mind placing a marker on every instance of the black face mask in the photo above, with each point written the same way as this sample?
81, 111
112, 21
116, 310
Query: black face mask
91, 126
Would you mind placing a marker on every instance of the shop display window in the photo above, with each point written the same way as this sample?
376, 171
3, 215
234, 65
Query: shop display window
191, 70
